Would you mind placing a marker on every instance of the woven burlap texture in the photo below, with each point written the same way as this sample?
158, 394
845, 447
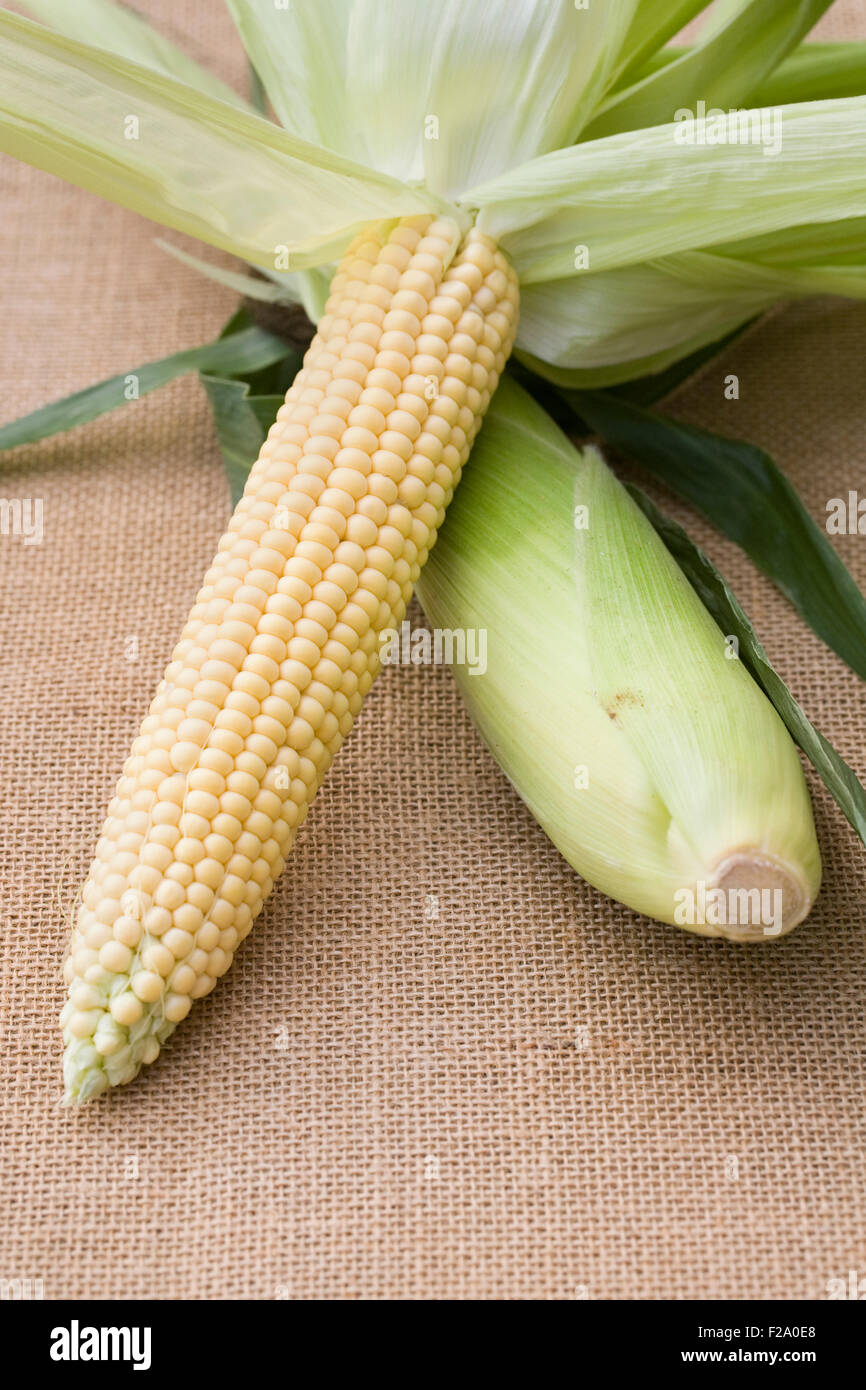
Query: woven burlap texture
442, 1066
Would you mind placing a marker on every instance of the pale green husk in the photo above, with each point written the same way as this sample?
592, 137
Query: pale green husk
189, 161
603, 666
397, 106
502, 82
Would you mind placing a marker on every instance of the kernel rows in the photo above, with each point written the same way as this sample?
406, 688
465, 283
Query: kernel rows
282, 643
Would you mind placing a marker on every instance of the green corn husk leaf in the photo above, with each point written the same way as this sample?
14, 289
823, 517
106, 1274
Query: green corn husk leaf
258, 95
388, 66
242, 348
242, 422
596, 330
722, 68
195, 164
815, 72
309, 288
812, 72
719, 14
651, 759
739, 488
825, 246
621, 276
120, 30
660, 59
642, 195
654, 22
599, 329
244, 406
267, 291
840, 780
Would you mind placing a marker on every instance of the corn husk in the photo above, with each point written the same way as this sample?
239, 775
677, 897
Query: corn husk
610, 697
392, 107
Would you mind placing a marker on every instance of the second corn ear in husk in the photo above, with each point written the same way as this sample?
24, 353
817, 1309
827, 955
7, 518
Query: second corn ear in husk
610, 697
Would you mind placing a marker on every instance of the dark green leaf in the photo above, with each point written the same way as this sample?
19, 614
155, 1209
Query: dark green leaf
705, 579
242, 422
258, 95
275, 379
241, 318
243, 348
265, 409
740, 490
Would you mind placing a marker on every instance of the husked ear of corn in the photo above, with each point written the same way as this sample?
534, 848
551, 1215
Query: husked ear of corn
282, 644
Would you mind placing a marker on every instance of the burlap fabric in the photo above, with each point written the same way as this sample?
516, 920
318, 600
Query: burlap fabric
442, 1066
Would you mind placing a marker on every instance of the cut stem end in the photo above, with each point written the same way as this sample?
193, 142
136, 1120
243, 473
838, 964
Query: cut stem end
766, 899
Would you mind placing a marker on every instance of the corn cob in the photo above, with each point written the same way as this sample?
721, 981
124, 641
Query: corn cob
282, 644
